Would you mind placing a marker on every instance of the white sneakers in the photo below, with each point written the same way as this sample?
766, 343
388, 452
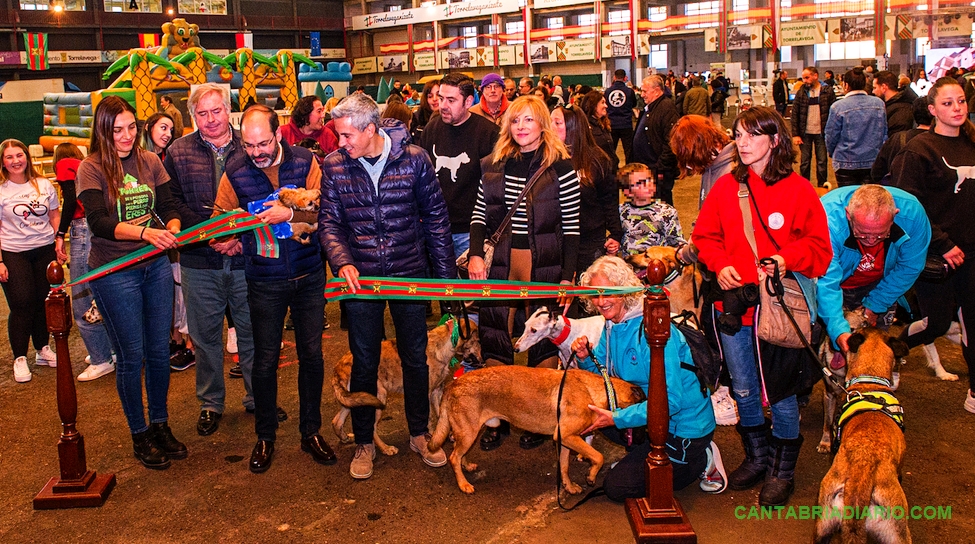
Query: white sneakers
725, 409
419, 445
231, 340
969, 401
46, 357
93, 372
361, 467
21, 371
715, 479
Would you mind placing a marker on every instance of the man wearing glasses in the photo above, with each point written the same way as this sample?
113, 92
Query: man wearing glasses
294, 279
212, 278
880, 239
493, 102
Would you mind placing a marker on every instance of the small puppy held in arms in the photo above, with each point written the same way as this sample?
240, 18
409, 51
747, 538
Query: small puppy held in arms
303, 200
560, 330
441, 349
867, 468
526, 398
682, 286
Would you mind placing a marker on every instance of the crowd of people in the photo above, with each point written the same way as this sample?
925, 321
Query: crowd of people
535, 169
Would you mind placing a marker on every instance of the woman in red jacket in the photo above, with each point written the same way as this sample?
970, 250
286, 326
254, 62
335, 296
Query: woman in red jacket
790, 227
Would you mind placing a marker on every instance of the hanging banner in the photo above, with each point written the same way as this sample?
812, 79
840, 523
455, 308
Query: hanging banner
456, 59
482, 57
424, 61
543, 4
852, 29
392, 63
67, 57
959, 24
35, 45
364, 65
616, 46
147, 41
803, 33
510, 55
711, 39
476, 8
395, 18
573, 50
745, 37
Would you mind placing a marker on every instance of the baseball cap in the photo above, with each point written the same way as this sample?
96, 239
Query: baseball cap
491, 79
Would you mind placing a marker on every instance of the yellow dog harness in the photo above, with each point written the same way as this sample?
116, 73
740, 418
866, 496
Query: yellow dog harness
858, 402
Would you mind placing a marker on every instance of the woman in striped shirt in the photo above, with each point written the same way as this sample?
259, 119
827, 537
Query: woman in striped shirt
541, 243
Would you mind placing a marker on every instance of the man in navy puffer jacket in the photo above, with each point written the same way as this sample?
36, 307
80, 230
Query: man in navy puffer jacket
383, 214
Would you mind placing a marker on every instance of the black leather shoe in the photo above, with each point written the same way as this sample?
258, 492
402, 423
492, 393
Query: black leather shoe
236, 371
163, 437
282, 415
148, 453
494, 436
530, 440
261, 456
208, 423
319, 449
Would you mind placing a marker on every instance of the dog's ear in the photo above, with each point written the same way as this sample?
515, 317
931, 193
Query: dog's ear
855, 341
638, 394
899, 347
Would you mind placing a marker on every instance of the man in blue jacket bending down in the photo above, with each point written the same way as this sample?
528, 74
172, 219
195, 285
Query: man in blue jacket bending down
623, 353
383, 214
880, 238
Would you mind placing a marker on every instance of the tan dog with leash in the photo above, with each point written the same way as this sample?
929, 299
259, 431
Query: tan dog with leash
682, 280
866, 470
526, 398
441, 350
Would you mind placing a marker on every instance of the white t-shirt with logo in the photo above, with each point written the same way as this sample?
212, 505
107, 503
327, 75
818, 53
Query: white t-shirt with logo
25, 215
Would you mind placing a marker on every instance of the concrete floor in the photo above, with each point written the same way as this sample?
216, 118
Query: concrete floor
212, 497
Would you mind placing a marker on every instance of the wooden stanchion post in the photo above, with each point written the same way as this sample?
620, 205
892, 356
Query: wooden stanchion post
658, 517
76, 486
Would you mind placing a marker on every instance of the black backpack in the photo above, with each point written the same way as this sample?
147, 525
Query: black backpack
707, 361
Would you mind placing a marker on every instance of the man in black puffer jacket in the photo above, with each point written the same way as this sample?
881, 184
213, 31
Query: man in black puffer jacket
383, 214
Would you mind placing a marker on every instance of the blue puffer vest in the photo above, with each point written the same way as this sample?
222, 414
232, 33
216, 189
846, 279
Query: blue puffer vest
251, 183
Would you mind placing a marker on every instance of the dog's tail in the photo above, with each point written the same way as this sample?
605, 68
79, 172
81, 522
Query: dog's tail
856, 493
443, 423
351, 400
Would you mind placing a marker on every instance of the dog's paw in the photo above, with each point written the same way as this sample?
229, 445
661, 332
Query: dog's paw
389, 450
347, 439
824, 446
470, 467
466, 487
573, 488
944, 375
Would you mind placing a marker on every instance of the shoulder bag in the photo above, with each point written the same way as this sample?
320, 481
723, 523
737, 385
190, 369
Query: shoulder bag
490, 243
778, 299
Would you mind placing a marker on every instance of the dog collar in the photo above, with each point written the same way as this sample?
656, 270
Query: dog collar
564, 335
642, 275
873, 380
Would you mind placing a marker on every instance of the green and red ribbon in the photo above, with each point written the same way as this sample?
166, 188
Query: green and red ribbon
225, 224
373, 288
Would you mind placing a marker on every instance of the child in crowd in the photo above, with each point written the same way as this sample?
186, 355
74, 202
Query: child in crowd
646, 221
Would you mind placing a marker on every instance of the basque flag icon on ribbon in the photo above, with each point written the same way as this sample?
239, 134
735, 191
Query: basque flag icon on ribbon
36, 45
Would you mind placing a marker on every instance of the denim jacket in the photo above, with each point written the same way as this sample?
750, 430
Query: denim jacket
856, 129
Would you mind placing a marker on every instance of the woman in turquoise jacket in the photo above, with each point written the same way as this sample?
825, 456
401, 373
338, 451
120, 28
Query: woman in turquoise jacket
624, 353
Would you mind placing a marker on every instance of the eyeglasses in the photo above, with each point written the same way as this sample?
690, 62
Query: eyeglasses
870, 237
259, 145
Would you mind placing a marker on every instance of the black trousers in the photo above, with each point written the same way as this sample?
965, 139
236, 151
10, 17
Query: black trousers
25, 289
627, 480
845, 177
626, 135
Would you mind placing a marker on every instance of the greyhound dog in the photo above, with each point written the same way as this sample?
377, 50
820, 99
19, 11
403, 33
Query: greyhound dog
560, 330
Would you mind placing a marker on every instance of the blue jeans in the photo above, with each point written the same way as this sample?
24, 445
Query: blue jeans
809, 141
746, 387
269, 302
137, 307
209, 293
461, 242
365, 340
93, 335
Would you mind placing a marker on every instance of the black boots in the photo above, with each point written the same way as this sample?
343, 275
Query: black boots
782, 467
493, 436
147, 452
163, 437
755, 466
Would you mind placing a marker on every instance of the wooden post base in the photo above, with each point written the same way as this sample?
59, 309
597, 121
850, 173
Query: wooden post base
87, 491
658, 526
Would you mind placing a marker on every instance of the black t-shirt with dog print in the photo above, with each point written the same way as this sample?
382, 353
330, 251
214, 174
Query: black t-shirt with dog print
456, 153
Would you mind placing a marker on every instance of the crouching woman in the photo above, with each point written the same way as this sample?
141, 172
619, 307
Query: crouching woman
624, 353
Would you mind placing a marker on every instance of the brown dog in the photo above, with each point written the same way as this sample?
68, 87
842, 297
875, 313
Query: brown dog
440, 351
830, 396
526, 398
866, 470
303, 200
681, 288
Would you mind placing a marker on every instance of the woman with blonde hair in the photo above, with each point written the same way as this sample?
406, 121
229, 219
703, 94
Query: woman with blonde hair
29, 219
541, 242
701, 147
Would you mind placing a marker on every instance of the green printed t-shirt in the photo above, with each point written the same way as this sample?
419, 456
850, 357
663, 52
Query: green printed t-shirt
137, 196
